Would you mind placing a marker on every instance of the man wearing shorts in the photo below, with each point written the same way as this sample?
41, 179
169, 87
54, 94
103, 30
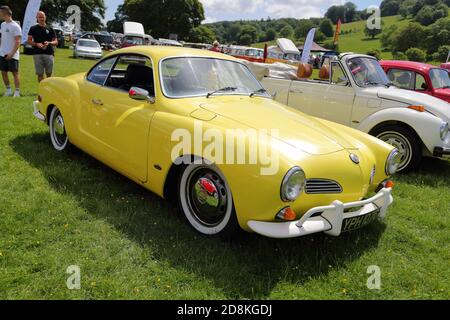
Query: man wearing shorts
43, 39
11, 33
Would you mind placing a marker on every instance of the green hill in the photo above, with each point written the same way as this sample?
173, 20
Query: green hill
353, 38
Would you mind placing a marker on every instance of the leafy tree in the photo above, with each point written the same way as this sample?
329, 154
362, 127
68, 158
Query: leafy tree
416, 54
116, 25
326, 27
287, 32
201, 34
93, 11
166, 17
303, 28
374, 53
330, 45
251, 32
428, 14
246, 39
386, 37
408, 36
271, 34
438, 34
389, 7
319, 36
442, 53
372, 33
234, 32
349, 12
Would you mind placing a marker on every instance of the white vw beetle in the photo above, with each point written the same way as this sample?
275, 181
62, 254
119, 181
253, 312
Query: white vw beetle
355, 91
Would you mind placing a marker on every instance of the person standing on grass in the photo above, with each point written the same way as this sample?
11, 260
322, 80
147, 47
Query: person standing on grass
43, 39
11, 34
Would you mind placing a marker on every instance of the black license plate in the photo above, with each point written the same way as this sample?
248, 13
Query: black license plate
359, 221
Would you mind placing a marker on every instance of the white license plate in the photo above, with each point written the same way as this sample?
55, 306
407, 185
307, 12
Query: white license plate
359, 221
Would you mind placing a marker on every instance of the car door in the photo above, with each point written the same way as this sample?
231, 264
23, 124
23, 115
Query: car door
339, 97
120, 125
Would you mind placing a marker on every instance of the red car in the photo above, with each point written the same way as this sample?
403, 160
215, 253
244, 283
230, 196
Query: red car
420, 77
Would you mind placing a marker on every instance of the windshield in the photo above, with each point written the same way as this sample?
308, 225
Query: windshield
137, 41
89, 44
440, 78
367, 72
190, 77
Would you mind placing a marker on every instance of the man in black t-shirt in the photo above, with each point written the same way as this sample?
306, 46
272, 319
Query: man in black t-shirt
43, 39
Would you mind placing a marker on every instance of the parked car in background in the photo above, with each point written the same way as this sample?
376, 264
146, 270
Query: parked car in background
420, 77
87, 48
105, 40
355, 91
134, 34
127, 108
247, 53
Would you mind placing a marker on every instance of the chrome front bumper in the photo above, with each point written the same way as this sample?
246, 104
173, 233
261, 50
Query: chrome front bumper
332, 219
441, 152
37, 114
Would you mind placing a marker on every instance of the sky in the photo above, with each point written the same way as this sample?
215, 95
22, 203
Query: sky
219, 10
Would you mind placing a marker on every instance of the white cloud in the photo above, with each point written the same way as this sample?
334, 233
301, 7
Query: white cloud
229, 6
299, 8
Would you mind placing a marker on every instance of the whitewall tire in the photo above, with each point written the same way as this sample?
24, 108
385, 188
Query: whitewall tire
58, 134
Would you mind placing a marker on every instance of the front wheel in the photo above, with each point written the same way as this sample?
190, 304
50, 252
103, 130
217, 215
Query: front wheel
205, 199
58, 134
407, 143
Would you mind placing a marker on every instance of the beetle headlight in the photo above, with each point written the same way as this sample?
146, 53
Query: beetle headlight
444, 130
293, 184
393, 162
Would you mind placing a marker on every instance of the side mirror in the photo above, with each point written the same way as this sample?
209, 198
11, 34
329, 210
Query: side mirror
424, 86
139, 94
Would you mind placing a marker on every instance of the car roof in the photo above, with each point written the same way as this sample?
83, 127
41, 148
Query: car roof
408, 64
161, 52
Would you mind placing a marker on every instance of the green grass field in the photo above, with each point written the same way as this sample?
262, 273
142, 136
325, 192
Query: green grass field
58, 210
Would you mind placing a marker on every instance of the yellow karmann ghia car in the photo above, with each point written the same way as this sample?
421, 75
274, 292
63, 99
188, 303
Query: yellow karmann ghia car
135, 107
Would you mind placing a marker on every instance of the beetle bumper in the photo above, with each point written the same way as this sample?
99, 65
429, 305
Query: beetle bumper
332, 220
441, 152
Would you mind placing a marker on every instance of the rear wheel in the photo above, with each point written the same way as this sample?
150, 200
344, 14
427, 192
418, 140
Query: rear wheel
407, 143
58, 134
205, 200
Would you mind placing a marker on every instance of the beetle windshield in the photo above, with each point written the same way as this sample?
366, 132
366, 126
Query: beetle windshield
440, 78
367, 72
191, 77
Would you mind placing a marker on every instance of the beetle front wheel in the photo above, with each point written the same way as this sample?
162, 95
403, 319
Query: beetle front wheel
205, 199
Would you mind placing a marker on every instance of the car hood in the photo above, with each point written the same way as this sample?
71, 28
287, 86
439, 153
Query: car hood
301, 131
434, 105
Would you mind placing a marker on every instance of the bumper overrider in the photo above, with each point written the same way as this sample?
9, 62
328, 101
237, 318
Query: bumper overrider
441, 152
332, 220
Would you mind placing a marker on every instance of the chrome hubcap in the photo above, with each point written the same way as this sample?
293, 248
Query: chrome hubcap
207, 197
59, 131
401, 143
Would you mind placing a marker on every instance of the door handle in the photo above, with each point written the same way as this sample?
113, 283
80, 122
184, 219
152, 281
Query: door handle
97, 102
295, 91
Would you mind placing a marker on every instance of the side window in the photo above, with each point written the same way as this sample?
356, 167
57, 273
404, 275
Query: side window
421, 84
132, 71
402, 79
338, 75
101, 71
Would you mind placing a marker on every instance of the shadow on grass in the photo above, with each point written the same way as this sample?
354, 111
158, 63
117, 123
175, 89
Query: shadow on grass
432, 173
248, 267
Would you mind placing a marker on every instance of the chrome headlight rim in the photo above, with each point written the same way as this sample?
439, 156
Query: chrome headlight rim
393, 156
287, 178
444, 130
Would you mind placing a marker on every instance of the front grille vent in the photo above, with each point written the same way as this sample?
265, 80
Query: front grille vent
322, 186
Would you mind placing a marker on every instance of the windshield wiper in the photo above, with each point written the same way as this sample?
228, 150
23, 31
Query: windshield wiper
254, 93
226, 89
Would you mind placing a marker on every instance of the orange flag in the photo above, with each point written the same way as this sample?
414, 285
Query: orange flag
338, 31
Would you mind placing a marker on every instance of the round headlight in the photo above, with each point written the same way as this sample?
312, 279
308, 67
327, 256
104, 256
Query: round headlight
293, 184
393, 162
444, 130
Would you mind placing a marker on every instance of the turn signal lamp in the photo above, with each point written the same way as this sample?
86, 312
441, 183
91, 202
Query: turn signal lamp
417, 108
287, 214
389, 184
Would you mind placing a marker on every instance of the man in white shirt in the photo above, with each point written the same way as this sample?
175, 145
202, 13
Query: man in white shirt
11, 34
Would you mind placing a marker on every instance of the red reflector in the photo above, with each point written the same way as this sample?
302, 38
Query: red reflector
132, 92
